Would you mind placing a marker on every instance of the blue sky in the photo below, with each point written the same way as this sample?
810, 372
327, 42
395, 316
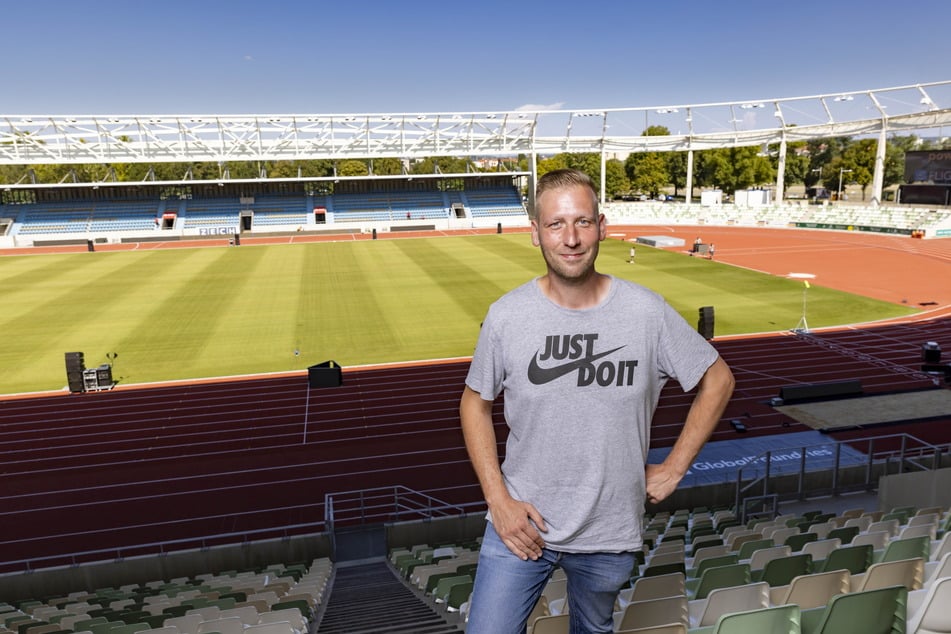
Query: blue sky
240, 57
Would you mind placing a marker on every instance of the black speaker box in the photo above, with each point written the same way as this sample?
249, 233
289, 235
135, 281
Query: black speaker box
326, 374
705, 325
104, 374
817, 391
75, 362
75, 382
931, 352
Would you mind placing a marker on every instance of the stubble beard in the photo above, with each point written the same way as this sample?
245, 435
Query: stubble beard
571, 274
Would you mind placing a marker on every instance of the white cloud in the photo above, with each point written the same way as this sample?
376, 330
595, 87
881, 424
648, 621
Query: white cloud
248, 58
531, 107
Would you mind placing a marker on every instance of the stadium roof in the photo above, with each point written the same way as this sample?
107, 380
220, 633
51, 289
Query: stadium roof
42, 139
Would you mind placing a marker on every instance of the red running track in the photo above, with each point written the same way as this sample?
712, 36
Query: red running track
139, 465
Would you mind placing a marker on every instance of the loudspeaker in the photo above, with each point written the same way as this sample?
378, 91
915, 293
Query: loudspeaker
938, 368
75, 366
75, 382
705, 323
815, 391
104, 375
237, 239
326, 374
931, 352
75, 362
90, 246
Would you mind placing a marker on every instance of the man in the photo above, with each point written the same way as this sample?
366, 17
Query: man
581, 357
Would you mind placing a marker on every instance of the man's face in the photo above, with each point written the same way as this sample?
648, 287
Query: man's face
568, 231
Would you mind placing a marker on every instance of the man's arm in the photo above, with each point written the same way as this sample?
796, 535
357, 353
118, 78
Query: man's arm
513, 520
715, 389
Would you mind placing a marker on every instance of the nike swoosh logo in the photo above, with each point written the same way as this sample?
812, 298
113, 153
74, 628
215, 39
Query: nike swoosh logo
540, 376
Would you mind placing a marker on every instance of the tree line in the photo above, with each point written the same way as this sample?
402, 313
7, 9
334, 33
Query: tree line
810, 163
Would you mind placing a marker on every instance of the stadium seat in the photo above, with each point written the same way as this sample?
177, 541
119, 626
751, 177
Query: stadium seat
652, 612
288, 615
669, 628
278, 627
761, 557
784, 619
855, 559
557, 624
657, 587
781, 572
752, 596
881, 611
812, 591
933, 615
906, 549
718, 577
712, 562
905, 572
878, 540
749, 547
821, 549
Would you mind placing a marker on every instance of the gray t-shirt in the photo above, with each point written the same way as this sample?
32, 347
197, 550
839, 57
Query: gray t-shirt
581, 387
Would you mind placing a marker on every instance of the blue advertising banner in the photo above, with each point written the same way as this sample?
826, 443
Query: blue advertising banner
719, 461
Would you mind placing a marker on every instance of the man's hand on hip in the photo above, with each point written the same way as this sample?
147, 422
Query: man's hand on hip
517, 525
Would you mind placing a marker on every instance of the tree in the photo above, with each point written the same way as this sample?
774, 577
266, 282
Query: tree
649, 171
821, 153
352, 167
587, 162
895, 156
859, 159
615, 180
730, 169
442, 165
387, 166
677, 170
551, 164
894, 165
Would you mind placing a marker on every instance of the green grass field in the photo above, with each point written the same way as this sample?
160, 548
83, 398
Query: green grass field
186, 313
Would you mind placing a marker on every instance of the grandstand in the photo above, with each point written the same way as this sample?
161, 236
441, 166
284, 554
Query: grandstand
261, 209
224, 505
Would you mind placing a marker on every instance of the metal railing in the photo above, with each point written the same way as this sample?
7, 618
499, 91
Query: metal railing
159, 548
852, 465
387, 504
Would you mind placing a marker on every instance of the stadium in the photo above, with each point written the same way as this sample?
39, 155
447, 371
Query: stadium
234, 360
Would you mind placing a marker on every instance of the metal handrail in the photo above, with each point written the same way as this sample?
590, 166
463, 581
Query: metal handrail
913, 452
164, 547
386, 504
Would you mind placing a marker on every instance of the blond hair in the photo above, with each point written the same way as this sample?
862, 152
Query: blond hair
563, 179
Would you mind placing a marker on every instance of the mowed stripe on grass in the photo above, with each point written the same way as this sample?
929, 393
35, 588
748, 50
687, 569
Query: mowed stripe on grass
172, 314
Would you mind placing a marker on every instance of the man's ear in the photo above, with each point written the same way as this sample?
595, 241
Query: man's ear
535, 241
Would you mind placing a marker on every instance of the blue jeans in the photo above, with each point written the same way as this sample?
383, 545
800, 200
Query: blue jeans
507, 588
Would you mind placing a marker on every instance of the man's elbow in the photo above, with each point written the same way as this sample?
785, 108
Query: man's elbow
720, 378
